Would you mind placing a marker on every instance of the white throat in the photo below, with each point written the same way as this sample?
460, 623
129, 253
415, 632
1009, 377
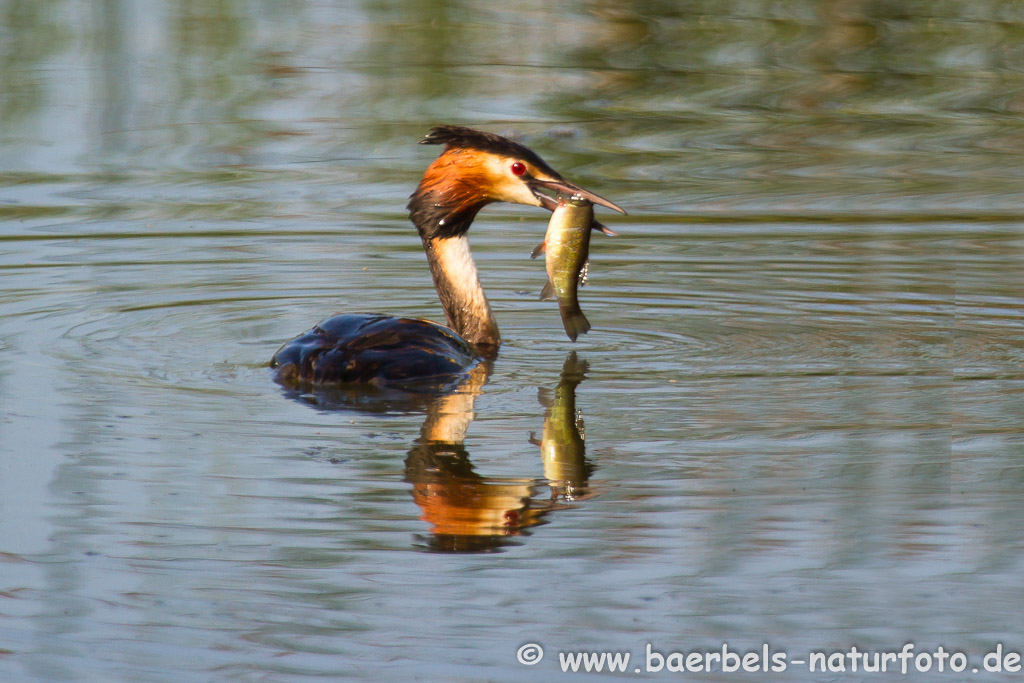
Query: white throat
458, 286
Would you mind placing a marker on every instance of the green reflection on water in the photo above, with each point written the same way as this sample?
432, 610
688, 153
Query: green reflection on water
674, 101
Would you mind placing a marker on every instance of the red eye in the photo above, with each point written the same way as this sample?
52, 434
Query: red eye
518, 168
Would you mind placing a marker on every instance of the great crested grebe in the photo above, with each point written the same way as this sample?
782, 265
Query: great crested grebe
475, 169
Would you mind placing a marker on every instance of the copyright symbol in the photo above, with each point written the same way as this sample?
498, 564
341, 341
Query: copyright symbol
530, 654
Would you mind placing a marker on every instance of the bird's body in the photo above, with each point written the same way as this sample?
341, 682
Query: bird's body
475, 169
362, 348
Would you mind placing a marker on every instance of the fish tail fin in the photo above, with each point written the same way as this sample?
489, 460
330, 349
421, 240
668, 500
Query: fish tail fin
574, 322
548, 292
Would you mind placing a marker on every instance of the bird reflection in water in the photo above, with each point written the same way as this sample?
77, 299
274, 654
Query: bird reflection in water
472, 513
467, 511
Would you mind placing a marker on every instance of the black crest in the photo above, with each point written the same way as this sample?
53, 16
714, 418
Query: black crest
460, 136
438, 216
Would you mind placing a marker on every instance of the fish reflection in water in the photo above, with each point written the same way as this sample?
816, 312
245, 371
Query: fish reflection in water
466, 511
562, 445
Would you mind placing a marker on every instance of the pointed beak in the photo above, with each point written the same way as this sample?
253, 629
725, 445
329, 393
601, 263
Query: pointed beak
567, 188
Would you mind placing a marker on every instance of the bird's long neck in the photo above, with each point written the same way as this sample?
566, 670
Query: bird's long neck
458, 286
442, 208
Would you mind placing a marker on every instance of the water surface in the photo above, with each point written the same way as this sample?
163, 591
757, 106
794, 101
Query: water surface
801, 398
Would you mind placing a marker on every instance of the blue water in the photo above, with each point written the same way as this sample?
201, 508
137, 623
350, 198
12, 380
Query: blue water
800, 397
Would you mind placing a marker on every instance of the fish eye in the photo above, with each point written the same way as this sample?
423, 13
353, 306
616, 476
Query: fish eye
518, 168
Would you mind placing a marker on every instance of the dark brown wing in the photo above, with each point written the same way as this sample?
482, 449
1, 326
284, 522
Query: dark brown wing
372, 349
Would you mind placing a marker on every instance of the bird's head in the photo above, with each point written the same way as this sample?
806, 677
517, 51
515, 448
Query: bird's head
477, 168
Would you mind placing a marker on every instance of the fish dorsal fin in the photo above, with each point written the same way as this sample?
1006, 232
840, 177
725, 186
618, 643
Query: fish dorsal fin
545, 396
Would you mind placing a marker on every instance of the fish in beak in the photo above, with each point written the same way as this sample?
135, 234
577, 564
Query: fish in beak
564, 187
550, 203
